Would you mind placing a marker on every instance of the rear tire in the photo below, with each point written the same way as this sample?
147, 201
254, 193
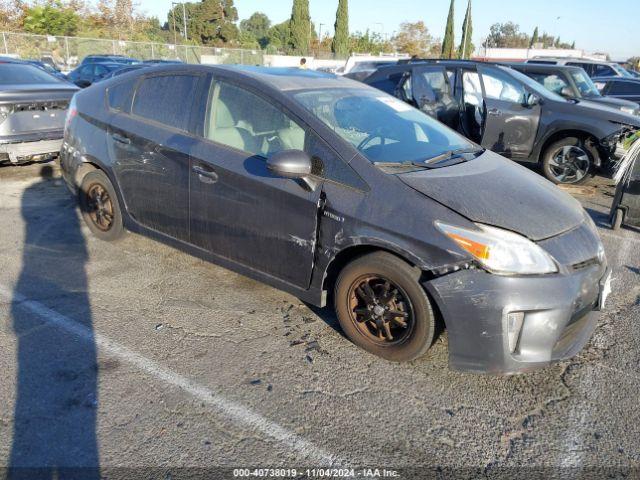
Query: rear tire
569, 161
99, 206
383, 309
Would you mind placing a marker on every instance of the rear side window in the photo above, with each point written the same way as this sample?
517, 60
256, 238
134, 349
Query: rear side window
166, 99
119, 96
604, 71
621, 88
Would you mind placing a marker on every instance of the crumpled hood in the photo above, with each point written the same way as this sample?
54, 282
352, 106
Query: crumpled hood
604, 112
498, 192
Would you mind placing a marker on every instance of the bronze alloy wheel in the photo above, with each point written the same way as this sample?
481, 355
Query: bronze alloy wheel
100, 207
380, 310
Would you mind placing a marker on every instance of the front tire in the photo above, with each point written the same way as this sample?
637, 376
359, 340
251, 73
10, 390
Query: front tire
568, 161
383, 309
100, 207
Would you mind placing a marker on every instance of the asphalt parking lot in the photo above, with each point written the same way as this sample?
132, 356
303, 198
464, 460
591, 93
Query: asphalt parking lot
133, 354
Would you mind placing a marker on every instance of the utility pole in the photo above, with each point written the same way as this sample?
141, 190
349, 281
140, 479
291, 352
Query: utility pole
175, 36
184, 18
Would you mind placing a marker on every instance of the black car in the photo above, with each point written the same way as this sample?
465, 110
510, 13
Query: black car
109, 59
573, 83
89, 73
33, 106
621, 88
329, 189
594, 68
511, 114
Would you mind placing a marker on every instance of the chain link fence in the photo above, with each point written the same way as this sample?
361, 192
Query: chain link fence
67, 52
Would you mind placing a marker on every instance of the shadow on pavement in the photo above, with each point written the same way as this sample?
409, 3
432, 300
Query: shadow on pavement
55, 412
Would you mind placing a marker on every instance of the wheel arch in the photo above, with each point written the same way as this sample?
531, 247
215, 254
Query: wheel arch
593, 143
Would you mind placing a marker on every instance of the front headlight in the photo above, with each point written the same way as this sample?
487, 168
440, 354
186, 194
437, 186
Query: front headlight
629, 110
501, 251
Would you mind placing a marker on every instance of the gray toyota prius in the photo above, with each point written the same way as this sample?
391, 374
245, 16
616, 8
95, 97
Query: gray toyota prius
338, 193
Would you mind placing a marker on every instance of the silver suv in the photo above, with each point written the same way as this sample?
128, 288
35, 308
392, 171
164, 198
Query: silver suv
595, 68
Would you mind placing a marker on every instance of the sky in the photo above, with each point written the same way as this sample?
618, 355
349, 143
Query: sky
594, 25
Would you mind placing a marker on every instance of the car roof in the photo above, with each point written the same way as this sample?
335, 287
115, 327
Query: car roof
279, 78
541, 67
572, 59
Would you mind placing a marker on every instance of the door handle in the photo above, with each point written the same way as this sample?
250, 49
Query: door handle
121, 139
204, 175
494, 112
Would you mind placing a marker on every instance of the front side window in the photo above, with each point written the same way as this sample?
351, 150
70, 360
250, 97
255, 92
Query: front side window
383, 128
165, 99
552, 82
243, 120
604, 71
585, 84
500, 86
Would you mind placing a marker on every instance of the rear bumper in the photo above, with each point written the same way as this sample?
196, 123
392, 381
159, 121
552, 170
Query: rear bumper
28, 147
560, 315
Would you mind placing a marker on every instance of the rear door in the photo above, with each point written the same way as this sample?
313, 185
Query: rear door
510, 126
149, 143
432, 93
239, 210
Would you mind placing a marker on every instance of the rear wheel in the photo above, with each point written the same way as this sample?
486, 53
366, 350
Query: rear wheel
568, 161
100, 207
383, 309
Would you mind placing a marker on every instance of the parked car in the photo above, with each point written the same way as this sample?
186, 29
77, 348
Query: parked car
33, 106
109, 59
573, 83
163, 61
594, 68
47, 68
359, 66
90, 73
315, 184
126, 69
513, 115
621, 88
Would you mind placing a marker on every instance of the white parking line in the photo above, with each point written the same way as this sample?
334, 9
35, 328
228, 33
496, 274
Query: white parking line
238, 413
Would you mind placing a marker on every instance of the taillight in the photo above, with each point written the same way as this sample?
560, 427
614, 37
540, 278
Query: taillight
72, 111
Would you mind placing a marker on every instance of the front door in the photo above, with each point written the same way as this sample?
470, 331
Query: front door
510, 125
150, 148
239, 210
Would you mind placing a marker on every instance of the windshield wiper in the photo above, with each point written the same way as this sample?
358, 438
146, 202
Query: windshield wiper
452, 154
400, 164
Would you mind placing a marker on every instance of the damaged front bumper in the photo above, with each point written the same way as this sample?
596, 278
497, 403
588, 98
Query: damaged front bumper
554, 315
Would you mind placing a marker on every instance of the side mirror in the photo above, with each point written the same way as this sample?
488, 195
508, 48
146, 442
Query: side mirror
83, 83
532, 100
294, 164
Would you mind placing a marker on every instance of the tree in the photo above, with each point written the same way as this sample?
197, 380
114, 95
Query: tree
257, 26
367, 42
448, 44
507, 35
573, 45
413, 39
52, 18
300, 27
123, 15
535, 38
466, 45
340, 44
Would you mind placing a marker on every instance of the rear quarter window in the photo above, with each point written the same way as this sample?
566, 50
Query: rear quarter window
119, 95
166, 99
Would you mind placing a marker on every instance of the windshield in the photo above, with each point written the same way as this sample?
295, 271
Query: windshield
621, 71
14, 73
533, 85
381, 127
584, 83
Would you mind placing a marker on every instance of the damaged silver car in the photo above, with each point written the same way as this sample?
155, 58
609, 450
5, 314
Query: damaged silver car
339, 193
33, 106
